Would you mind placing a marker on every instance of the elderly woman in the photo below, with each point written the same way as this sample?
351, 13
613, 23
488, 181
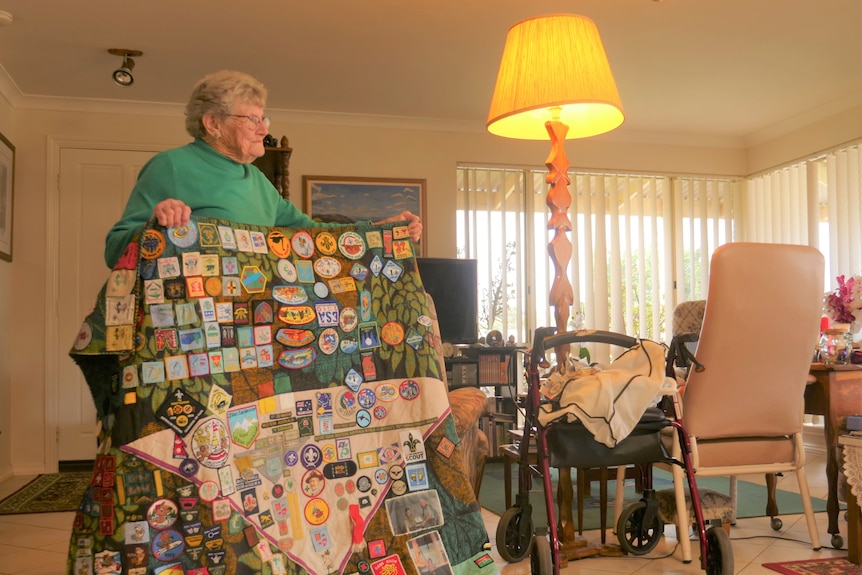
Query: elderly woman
213, 175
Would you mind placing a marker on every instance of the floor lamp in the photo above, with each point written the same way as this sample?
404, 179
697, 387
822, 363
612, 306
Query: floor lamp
555, 82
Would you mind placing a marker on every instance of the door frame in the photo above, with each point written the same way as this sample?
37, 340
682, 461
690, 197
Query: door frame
52, 281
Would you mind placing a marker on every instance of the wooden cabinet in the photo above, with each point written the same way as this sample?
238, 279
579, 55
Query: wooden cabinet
275, 165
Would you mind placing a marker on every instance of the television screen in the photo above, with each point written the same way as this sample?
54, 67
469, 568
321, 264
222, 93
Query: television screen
453, 285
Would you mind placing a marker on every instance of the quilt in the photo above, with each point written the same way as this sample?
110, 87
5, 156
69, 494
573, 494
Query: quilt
271, 403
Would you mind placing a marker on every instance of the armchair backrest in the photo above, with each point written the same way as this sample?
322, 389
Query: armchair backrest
688, 317
760, 328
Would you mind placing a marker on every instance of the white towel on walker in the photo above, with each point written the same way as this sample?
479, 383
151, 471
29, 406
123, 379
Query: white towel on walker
610, 402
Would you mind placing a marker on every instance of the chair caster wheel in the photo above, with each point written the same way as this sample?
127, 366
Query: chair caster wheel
837, 541
776, 524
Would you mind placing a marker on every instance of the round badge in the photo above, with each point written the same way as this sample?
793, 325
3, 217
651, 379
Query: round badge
313, 483
302, 244
168, 545
213, 286
396, 472
320, 290
363, 418
184, 236
327, 267
277, 490
381, 476
316, 511
326, 243
350, 486
345, 404
84, 337
286, 270
341, 504
211, 443
291, 458
351, 245
399, 487
425, 320
363, 483
386, 392
339, 489
278, 243
392, 333
366, 398
379, 412
311, 456
329, 453
408, 389
208, 490
349, 345
363, 566
189, 467
348, 319
162, 514
328, 341
152, 244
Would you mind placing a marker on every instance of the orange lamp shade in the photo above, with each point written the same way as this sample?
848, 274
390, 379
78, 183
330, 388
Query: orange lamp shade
554, 67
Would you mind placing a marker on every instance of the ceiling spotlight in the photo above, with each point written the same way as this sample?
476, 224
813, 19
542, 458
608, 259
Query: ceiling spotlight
123, 75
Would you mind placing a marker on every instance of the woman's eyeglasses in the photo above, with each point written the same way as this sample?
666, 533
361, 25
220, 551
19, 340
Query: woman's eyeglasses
253, 121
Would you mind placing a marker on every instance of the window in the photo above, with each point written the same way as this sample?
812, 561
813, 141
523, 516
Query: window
640, 244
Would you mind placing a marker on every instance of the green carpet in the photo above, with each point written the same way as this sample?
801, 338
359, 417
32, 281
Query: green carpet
751, 496
48, 493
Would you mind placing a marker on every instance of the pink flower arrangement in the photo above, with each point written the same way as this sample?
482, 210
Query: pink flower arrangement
844, 304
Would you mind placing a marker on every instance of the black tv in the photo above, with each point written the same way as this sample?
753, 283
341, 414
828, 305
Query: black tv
453, 284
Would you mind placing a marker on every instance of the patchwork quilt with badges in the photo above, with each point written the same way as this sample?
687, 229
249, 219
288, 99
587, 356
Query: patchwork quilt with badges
271, 403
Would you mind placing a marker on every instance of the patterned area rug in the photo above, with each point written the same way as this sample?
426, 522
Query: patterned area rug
48, 493
831, 566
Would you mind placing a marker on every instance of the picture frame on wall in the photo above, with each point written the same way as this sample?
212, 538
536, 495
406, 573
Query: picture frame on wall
7, 195
331, 198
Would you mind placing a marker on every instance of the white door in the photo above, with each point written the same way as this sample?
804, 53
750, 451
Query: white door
94, 186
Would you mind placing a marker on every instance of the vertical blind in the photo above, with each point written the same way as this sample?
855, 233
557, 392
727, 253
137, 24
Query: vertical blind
637, 241
642, 243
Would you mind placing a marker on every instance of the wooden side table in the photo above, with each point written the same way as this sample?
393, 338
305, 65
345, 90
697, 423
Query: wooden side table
835, 393
852, 447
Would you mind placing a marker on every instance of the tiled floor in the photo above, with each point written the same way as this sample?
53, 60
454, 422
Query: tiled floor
36, 544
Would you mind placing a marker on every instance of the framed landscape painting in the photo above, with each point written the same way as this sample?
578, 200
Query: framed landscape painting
333, 198
7, 193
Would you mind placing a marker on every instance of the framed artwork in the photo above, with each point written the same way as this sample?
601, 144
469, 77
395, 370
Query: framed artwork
372, 199
7, 193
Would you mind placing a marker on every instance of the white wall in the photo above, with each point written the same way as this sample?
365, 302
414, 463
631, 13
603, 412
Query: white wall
318, 149
6, 273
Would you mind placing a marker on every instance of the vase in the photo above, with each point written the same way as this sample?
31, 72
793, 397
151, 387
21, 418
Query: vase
836, 345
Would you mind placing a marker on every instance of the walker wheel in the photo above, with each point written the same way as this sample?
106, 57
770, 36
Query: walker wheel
635, 537
837, 541
514, 534
540, 556
776, 523
719, 553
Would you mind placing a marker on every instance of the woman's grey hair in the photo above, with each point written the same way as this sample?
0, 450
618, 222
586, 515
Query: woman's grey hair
216, 93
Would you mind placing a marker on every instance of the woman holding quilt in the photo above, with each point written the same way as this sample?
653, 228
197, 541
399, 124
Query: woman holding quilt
213, 176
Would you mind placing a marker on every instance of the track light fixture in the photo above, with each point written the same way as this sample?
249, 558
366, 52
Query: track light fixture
123, 75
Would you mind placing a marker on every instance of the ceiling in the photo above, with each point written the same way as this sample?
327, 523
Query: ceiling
728, 69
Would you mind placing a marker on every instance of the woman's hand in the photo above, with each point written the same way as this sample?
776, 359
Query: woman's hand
414, 224
172, 213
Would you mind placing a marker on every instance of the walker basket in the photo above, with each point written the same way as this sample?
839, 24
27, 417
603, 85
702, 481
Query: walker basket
572, 445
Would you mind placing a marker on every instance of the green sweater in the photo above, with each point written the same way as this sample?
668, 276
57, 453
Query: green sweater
212, 185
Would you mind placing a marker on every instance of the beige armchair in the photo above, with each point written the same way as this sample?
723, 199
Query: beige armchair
744, 410
468, 405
